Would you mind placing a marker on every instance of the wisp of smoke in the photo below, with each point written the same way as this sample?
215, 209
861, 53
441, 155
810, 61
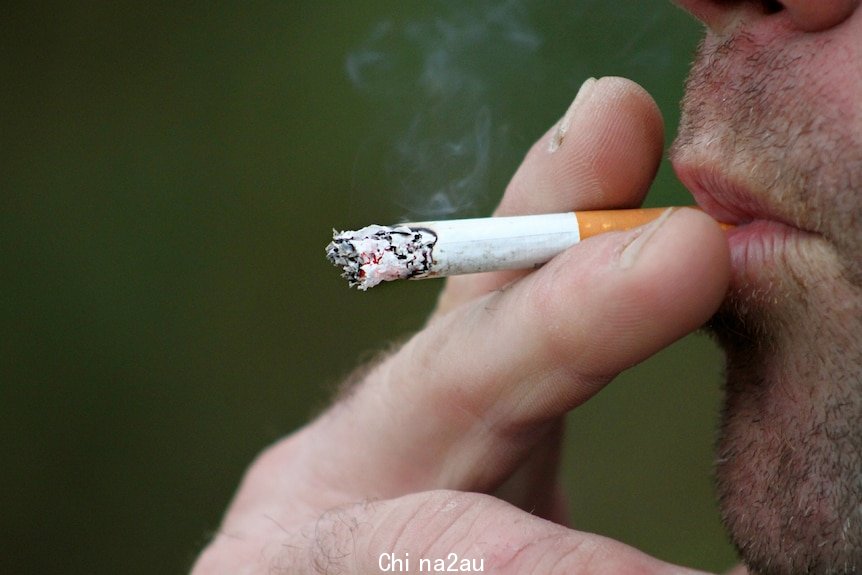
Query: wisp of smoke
446, 75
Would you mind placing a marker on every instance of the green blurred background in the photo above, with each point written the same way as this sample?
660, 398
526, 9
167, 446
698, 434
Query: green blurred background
170, 174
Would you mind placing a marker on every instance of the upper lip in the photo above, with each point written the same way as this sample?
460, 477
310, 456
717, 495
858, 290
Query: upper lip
732, 201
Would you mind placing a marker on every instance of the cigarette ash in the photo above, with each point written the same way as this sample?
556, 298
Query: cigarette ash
375, 254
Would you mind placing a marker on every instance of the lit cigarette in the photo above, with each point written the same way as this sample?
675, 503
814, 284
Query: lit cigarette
421, 250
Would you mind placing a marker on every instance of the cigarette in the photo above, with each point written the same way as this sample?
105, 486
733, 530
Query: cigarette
420, 250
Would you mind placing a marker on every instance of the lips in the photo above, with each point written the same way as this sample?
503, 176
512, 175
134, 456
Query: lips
764, 234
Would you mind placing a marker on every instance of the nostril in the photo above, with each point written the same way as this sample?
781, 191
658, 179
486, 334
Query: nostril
771, 6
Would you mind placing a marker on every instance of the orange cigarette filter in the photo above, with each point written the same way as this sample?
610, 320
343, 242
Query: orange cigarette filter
596, 222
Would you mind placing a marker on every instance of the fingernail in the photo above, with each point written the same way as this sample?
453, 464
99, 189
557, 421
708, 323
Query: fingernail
564, 123
635, 245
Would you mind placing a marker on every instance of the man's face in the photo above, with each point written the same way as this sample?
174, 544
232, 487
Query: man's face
771, 138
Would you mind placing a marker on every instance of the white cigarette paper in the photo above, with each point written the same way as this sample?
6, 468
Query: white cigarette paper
420, 250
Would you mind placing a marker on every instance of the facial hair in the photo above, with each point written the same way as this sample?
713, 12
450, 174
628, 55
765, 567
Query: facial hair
789, 454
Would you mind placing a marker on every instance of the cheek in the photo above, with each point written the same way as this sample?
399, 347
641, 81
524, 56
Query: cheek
830, 81
822, 118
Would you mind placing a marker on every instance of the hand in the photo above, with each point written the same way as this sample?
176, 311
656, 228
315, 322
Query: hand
441, 446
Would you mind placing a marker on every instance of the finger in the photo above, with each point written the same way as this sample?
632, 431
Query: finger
535, 485
606, 150
463, 402
606, 157
423, 533
602, 153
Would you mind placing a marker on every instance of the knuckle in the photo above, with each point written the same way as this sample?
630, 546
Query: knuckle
566, 552
347, 539
548, 307
435, 517
574, 554
332, 539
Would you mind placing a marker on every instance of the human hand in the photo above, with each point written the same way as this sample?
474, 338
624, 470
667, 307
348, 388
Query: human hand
449, 445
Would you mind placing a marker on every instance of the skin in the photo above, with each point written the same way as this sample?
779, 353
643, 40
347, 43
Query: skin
431, 450
772, 130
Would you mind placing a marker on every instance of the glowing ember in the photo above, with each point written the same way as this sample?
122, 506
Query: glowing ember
375, 254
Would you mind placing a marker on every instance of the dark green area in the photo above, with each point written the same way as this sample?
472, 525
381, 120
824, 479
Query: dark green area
170, 174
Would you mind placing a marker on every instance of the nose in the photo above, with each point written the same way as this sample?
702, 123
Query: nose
805, 15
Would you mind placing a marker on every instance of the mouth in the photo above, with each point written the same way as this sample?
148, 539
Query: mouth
765, 233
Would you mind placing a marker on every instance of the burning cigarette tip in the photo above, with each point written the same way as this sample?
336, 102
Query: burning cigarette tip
376, 254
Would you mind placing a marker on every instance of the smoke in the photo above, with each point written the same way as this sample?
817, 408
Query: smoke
462, 92
442, 83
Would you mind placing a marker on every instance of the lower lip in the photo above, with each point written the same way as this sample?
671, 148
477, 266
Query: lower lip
761, 242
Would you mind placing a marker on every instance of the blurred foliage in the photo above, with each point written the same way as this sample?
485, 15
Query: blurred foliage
170, 176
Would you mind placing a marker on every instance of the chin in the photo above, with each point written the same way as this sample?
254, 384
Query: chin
789, 454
